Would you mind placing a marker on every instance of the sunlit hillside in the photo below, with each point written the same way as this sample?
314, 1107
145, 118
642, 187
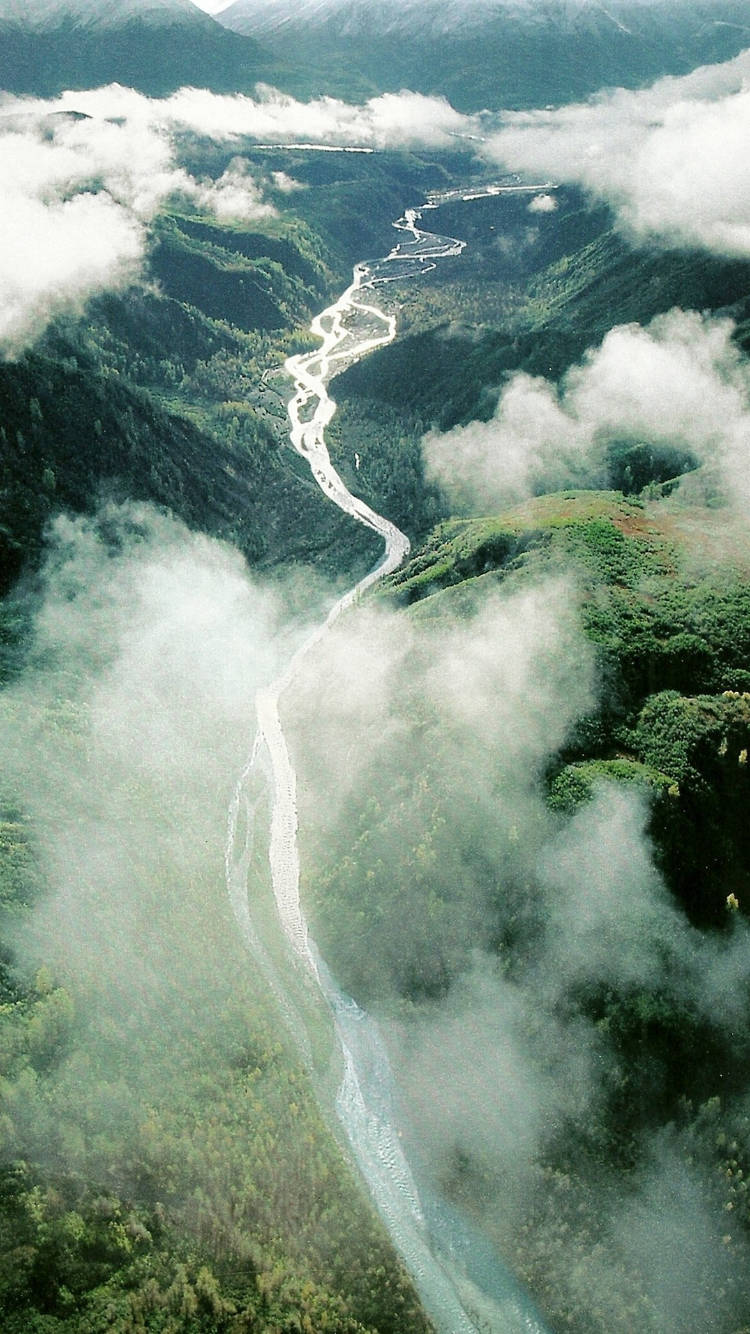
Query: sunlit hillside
374, 668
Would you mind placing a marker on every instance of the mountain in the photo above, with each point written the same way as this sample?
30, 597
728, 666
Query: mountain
493, 53
154, 397
41, 14
521, 765
153, 45
165, 386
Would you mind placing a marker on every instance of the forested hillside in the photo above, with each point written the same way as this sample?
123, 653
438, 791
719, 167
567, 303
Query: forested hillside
168, 390
520, 762
45, 50
524, 298
165, 1163
496, 53
515, 753
665, 615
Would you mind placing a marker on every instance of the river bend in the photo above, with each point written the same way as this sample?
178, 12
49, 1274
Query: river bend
462, 1285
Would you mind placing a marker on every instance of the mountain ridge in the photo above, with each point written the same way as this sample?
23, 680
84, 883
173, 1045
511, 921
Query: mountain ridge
495, 53
156, 46
100, 14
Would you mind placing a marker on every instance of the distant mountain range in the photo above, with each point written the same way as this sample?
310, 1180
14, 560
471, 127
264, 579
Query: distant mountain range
640, 20
41, 14
478, 53
492, 53
153, 45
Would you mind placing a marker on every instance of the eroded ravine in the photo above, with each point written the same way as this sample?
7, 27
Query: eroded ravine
436, 1249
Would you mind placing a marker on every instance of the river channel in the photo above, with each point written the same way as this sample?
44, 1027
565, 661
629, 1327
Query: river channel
463, 1285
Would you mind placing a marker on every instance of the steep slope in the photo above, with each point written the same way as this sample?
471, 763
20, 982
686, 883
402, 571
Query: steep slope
442, 893
494, 53
163, 1161
154, 45
41, 14
161, 396
164, 395
214, 1198
213, 1194
527, 296
568, 306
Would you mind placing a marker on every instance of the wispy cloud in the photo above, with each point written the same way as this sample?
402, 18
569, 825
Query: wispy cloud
122, 741
441, 726
78, 194
158, 639
57, 252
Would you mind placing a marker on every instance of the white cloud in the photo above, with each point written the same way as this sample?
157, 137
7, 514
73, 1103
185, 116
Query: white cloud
157, 640
54, 255
681, 381
78, 192
393, 120
543, 204
671, 158
83, 173
234, 195
286, 183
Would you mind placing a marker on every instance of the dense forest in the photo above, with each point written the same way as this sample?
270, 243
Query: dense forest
522, 764
466, 802
165, 1162
667, 634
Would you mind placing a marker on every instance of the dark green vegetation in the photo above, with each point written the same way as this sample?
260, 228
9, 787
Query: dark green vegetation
432, 806
164, 1163
672, 638
165, 395
531, 56
672, 642
157, 397
158, 54
532, 292
165, 1167
352, 199
499, 62
156, 57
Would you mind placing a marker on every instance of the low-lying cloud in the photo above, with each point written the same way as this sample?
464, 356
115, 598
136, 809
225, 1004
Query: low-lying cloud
438, 728
679, 382
84, 174
670, 159
55, 254
79, 193
520, 701
391, 120
121, 743
501, 1068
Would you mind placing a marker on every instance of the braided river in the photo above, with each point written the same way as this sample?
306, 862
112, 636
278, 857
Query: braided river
463, 1285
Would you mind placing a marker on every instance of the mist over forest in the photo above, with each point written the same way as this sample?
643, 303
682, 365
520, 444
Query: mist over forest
374, 946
